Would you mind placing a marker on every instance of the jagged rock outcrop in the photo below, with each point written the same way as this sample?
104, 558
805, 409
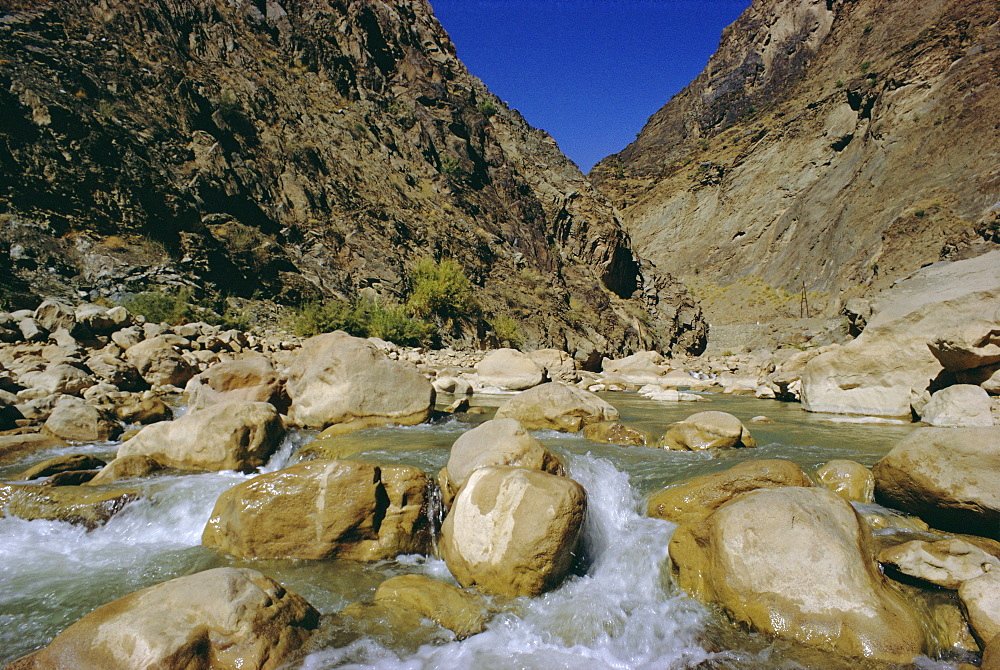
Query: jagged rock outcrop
296, 149
830, 146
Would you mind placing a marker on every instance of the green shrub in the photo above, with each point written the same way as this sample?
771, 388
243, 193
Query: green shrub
440, 290
361, 319
506, 329
487, 108
163, 307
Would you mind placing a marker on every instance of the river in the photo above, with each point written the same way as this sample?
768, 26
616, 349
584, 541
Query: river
620, 611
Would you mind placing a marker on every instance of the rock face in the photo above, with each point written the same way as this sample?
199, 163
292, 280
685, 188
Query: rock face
811, 154
324, 509
509, 368
950, 477
707, 430
557, 406
231, 436
890, 361
695, 499
792, 562
224, 618
254, 182
339, 379
513, 531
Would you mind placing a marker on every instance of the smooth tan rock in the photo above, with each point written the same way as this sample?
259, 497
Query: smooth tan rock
250, 380
126, 467
462, 612
792, 562
877, 373
950, 477
339, 379
510, 369
848, 479
75, 420
981, 599
707, 430
452, 385
968, 346
15, 447
946, 563
59, 378
143, 410
557, 406
558, 365
84, 506
615, 432
498, 442
959, 406
324, 509
113, 370
231, 436
160, 362
696, 498
513, 531
58, 464
224, 618
991, 655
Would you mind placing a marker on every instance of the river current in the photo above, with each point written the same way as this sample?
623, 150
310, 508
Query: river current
620, 609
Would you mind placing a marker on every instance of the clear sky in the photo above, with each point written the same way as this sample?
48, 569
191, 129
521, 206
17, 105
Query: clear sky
590, 72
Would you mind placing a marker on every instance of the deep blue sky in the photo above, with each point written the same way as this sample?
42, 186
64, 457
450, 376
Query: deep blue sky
590, 72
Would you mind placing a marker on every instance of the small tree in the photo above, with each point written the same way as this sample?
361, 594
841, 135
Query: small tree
441, 290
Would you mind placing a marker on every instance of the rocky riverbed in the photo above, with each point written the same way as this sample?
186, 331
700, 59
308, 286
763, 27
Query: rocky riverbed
174, 493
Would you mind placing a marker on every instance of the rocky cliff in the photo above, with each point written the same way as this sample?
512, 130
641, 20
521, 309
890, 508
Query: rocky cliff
295, 150
829, 148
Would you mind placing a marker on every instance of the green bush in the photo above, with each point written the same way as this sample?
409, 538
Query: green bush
361, 319
163, 307
506, 330
487, 108
440, 290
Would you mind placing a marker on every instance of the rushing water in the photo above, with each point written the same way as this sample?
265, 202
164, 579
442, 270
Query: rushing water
620, 611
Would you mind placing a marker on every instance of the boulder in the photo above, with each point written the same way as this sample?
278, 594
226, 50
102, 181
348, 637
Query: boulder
961, 405
876, 373
848, 479
510, 369
339, 379
793, 563
615, 432
560, 366
981, 599
57, 464
696, 498
251, 379
160, 362
969, 346
15, 447
324, 509
498, 442
53, 315
986, 377
59, 378
707, 430
557, 406
453, 385
143, 409
513, 531
126, 467
219, 618
85, 506
31, 331
945, 563
643, 361
73, 419
113, 370
462, 612
232, 436
950, 477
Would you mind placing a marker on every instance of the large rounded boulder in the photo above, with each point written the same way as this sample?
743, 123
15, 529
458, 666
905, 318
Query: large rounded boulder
231, 436
949, 477
707, 430
225, 618
251, 380
513, 531
794, 563
498, 442
160, 362
557, 406
339, 379
324, 509
510, 369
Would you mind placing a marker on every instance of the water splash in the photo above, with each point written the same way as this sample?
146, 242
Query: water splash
623, 613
